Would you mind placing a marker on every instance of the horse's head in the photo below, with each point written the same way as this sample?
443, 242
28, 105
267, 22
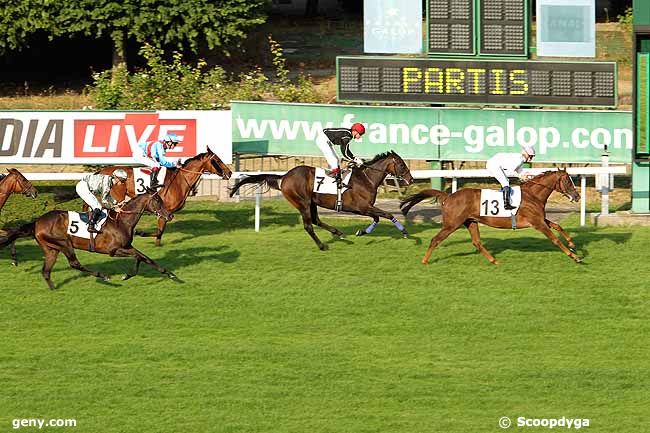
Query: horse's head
211, 163
21, 184
564, 185
398, 168
156, 206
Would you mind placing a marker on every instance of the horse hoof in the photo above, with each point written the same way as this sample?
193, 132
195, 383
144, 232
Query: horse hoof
125, 277
405, 234
323, 247
496, 263
572, 249
14, 264
578, 259
105, 277
172, 276
360, 233
425, 262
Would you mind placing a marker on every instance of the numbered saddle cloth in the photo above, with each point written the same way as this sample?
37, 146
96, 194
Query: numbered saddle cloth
492, 202
324, 184
78, 223
142, 178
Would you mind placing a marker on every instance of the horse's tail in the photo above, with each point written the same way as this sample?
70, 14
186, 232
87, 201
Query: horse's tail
270, 180
410, 201
20, 232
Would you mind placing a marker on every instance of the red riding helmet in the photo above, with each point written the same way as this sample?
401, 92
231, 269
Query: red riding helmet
359, 128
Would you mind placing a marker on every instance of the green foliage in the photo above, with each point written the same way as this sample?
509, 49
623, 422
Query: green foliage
178, 23
625, 21
177, 85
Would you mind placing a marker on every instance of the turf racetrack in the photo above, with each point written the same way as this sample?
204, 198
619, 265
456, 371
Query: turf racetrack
267, 334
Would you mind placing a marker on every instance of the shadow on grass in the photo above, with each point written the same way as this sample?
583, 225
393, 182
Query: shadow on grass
30, 258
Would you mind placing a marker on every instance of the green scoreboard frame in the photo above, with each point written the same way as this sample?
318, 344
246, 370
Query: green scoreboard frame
475, 81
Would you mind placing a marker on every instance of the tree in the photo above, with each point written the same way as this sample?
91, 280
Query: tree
178, 23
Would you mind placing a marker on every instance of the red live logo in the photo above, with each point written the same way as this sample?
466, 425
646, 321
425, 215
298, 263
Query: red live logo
120, 137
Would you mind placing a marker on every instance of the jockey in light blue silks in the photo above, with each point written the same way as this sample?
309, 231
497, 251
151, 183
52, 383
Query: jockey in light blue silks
152, 154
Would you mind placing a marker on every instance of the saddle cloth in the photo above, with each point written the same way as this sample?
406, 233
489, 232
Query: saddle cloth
492, 202
324, 184
142, 178
78, 223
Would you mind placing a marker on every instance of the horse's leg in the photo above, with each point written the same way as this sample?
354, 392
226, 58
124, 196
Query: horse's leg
549, 234
435, 241
376, 212
306, 222
556, 226
75, 264
140, 257
48, 264
319, 223
303, 206
472, 226
370, 228
161, 228
14, 256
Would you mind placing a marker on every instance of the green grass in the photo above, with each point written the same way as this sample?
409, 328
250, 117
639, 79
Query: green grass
267, 334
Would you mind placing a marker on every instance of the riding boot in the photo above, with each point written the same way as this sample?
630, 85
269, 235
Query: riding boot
93, 220
153, 181
507, 192
339, 186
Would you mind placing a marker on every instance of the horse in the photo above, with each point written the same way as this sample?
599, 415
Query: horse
51, 232
12, 183
297, 187
463, 208
178, 184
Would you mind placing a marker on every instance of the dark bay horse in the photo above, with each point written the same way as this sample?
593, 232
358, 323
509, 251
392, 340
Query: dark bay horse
297, 187
462, 208
51, 232
178, 184
15, 183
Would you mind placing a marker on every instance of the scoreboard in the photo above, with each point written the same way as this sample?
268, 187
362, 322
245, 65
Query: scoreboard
477, 55
502, 27
460, 81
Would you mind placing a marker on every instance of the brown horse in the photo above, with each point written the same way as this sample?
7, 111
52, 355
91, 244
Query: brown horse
51, 232
12, 183
297, 187
463, 208
178, 184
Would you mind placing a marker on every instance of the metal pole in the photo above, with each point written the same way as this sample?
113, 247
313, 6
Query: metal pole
583, 200
258, 203
454, 184
604, 203
237, 169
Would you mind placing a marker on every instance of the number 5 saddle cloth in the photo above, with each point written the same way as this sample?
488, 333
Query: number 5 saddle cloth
78, 223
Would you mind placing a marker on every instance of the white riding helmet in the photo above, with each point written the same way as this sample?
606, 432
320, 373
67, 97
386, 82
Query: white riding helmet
529, 150
120, 174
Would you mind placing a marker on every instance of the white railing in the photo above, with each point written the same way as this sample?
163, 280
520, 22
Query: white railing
454, 175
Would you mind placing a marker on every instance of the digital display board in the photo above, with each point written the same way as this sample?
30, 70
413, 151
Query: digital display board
451, 27
503, 27
477, 82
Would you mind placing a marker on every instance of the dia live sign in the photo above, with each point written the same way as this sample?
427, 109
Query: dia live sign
97, 137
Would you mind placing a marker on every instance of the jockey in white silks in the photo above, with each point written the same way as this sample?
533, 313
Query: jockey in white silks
152, 154
503, 164
93, 185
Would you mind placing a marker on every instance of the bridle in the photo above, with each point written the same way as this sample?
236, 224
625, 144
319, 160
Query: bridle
20, 181
140, 212
553, 188
384, 171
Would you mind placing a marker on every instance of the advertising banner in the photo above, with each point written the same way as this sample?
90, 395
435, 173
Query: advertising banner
577, 136
107, 137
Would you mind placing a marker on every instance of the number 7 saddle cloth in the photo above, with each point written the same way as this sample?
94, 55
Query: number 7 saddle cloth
491, 203
325, 184
142, 178
78, 223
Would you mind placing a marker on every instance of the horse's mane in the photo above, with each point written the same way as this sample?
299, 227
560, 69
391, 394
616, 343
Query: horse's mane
194, 158
380, 157
543, 174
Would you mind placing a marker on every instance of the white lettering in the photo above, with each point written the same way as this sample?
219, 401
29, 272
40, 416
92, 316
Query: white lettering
473, 135
439, 135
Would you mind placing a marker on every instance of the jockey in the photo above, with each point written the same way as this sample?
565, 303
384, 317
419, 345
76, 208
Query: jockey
152, 154
503, 164
339, 137
99, 184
